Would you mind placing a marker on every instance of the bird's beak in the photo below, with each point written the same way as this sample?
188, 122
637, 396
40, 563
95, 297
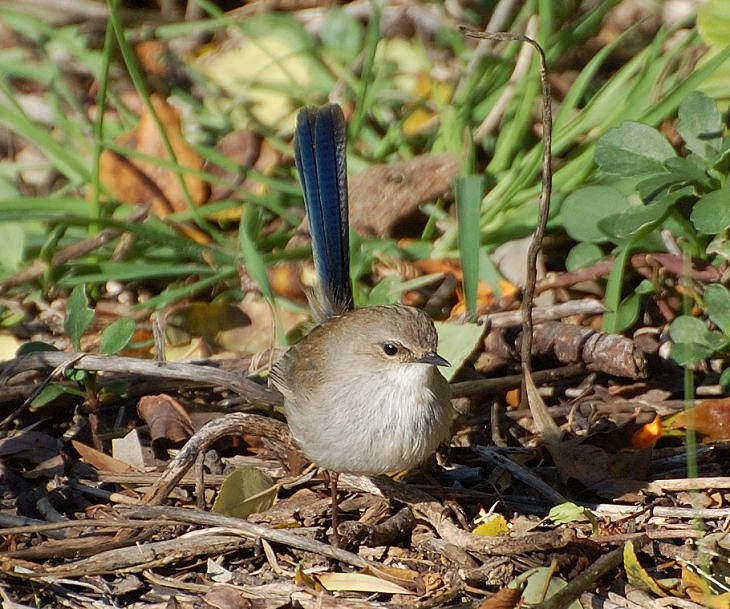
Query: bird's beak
433, 358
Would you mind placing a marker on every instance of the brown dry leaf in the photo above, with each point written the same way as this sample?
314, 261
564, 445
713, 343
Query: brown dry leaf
383, 197
152, 55
139, 181
242, 147
506, 598
285, 281
99, 460
700, 592
711, 419
226, 597
259, 335
578, 459
169, 422
33, 446
307, 581
204, 319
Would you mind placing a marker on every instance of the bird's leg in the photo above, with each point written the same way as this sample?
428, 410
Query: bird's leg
335, 509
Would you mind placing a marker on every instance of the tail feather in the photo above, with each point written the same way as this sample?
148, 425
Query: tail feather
319, 152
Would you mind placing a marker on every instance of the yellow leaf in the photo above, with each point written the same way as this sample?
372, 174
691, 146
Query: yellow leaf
636, 574
245, 491
359, 582
493, 527
260, 70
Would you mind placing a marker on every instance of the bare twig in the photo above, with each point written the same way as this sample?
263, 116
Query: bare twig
236, 423
205, 374
549, 429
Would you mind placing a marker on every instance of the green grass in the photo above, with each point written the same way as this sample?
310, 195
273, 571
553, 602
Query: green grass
647, 87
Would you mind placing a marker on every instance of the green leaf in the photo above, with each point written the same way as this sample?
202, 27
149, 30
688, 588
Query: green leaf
717, 301
53, 391
390, 289
652, 186
689, 353
713, 22
711, 214
635, 220
539, 584
645, 287
725, 377
245, 491
569, 512
688, 170
78, 316
700, 124
583, 255
631, 149
34, 346
343, 32
612, 296
584, 208
693, 341
12, 243
456, 343
628, 312
468, 200
117, 335
686, 329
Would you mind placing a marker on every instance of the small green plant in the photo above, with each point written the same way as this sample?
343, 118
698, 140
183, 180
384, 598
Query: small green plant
79, 315
650, 190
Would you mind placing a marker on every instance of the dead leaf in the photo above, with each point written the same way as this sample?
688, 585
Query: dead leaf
136, 180
242, 148
636, 574
700, 592
359, 582
578, 459
169, 422
425, 117
506, 598
226, 597
99, 460
710, 419
33, 446
492, 526
206, 320
9, 344
384, 197
245, 491
285, 282
129, 450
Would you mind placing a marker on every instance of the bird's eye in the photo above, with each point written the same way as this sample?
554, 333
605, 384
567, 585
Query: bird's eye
390, 349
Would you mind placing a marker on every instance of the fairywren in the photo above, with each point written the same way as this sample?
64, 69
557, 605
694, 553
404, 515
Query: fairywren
362, 392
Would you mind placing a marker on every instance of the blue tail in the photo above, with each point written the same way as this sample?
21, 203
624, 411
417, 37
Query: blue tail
319, 151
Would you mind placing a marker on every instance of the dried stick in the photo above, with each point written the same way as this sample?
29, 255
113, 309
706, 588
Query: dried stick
543, 420
236, 423
205, 374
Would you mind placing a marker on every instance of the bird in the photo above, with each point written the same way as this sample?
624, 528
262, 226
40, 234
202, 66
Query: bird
362, 390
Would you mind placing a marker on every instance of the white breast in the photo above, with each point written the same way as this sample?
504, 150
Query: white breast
376, 425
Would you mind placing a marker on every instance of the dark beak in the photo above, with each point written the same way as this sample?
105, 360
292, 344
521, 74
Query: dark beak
433, 358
